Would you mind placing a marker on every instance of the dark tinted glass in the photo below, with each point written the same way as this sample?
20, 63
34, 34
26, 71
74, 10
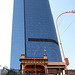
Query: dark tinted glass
39, 25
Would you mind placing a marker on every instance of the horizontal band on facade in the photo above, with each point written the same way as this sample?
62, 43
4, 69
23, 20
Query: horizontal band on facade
33, 59
42, 40
56, 65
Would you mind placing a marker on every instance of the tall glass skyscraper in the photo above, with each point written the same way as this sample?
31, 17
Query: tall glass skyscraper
33, 27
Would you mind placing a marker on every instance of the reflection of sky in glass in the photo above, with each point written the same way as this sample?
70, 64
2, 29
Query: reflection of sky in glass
39, 24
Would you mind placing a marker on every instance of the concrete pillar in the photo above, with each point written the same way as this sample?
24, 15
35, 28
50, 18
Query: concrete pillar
62, 72
45, 69
22, 56
45, 56
23, 69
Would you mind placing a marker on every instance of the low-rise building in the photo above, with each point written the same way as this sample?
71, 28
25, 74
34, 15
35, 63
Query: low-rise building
40, 66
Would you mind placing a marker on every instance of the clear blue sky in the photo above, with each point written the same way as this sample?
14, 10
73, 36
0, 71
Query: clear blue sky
57, 7
68, 37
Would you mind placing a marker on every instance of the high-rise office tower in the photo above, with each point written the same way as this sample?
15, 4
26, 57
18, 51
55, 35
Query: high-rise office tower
33, 27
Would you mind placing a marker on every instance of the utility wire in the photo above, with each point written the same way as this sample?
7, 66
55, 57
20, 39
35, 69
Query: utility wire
68, 27
61, 21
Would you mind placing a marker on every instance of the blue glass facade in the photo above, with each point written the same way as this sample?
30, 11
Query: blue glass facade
39, 31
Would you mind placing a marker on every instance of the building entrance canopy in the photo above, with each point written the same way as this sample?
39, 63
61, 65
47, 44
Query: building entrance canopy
40, 66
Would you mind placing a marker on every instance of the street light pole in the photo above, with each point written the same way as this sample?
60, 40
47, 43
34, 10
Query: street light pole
59, 34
